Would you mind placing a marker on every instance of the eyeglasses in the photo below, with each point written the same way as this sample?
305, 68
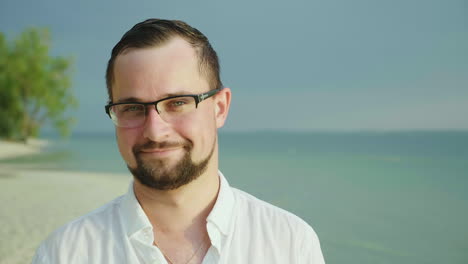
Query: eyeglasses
170, 109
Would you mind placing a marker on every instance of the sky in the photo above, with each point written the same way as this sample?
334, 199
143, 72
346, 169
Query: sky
316, 65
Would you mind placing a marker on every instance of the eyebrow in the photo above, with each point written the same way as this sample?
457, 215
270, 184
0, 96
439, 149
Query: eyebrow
128, 100
138, 100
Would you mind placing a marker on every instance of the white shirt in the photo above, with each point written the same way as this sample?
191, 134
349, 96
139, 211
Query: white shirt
242, 229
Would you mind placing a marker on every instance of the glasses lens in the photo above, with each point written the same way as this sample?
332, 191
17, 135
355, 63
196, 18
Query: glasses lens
128, 115
173, 108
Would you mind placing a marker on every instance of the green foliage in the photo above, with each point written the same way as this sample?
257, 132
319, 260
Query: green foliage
34, 86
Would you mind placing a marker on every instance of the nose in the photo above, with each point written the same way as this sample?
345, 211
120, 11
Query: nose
155, 128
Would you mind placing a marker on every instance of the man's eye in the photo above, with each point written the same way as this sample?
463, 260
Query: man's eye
132, 108
178, 103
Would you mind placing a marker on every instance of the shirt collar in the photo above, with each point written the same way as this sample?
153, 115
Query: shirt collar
135, 219
221, 214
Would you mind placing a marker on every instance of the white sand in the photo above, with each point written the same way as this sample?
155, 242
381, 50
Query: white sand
10, 149
33, 203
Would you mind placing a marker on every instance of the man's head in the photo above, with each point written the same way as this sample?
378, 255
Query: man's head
157, 59
157, 32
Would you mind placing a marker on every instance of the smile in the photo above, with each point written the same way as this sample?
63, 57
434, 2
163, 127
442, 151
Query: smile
159, 151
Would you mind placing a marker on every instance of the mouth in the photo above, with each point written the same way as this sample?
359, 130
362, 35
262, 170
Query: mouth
159, 152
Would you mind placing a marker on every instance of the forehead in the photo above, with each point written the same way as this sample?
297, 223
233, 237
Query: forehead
151, 73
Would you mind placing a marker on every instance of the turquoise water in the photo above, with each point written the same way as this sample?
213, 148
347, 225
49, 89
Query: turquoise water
371, 197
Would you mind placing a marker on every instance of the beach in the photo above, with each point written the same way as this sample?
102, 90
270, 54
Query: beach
9, 149
378, 197
35, 201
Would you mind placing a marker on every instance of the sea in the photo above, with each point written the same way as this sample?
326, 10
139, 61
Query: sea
372, 197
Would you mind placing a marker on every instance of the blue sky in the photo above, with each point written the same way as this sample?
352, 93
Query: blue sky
292, 65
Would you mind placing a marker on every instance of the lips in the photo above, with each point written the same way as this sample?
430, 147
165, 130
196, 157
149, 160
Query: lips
160, 149
159, 152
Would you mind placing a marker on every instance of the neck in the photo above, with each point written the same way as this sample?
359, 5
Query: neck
181, 210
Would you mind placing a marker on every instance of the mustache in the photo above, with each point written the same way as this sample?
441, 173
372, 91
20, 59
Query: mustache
159, 145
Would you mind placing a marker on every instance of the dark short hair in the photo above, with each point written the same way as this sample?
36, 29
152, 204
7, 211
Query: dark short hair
155, 32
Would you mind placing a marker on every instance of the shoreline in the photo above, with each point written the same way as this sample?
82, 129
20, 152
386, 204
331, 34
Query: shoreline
12, 149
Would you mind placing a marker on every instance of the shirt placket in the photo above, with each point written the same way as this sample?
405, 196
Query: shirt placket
146, 251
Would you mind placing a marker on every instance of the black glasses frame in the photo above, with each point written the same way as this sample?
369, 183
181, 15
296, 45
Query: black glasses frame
198, 99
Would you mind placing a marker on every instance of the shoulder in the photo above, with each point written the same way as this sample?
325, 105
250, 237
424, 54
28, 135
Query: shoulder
70, 240
271, 226
256, 209
97, 221
263, 213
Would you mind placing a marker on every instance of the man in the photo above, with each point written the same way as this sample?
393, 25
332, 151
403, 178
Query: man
167, 102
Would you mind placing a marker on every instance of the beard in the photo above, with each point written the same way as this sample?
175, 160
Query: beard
157, 174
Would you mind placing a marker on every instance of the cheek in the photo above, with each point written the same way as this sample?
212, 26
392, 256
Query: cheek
126, 141
203, 133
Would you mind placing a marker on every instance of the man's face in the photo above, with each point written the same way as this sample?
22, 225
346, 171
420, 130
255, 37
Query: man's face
161, 154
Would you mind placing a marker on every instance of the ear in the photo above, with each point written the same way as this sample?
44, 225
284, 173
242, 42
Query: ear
222, 103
